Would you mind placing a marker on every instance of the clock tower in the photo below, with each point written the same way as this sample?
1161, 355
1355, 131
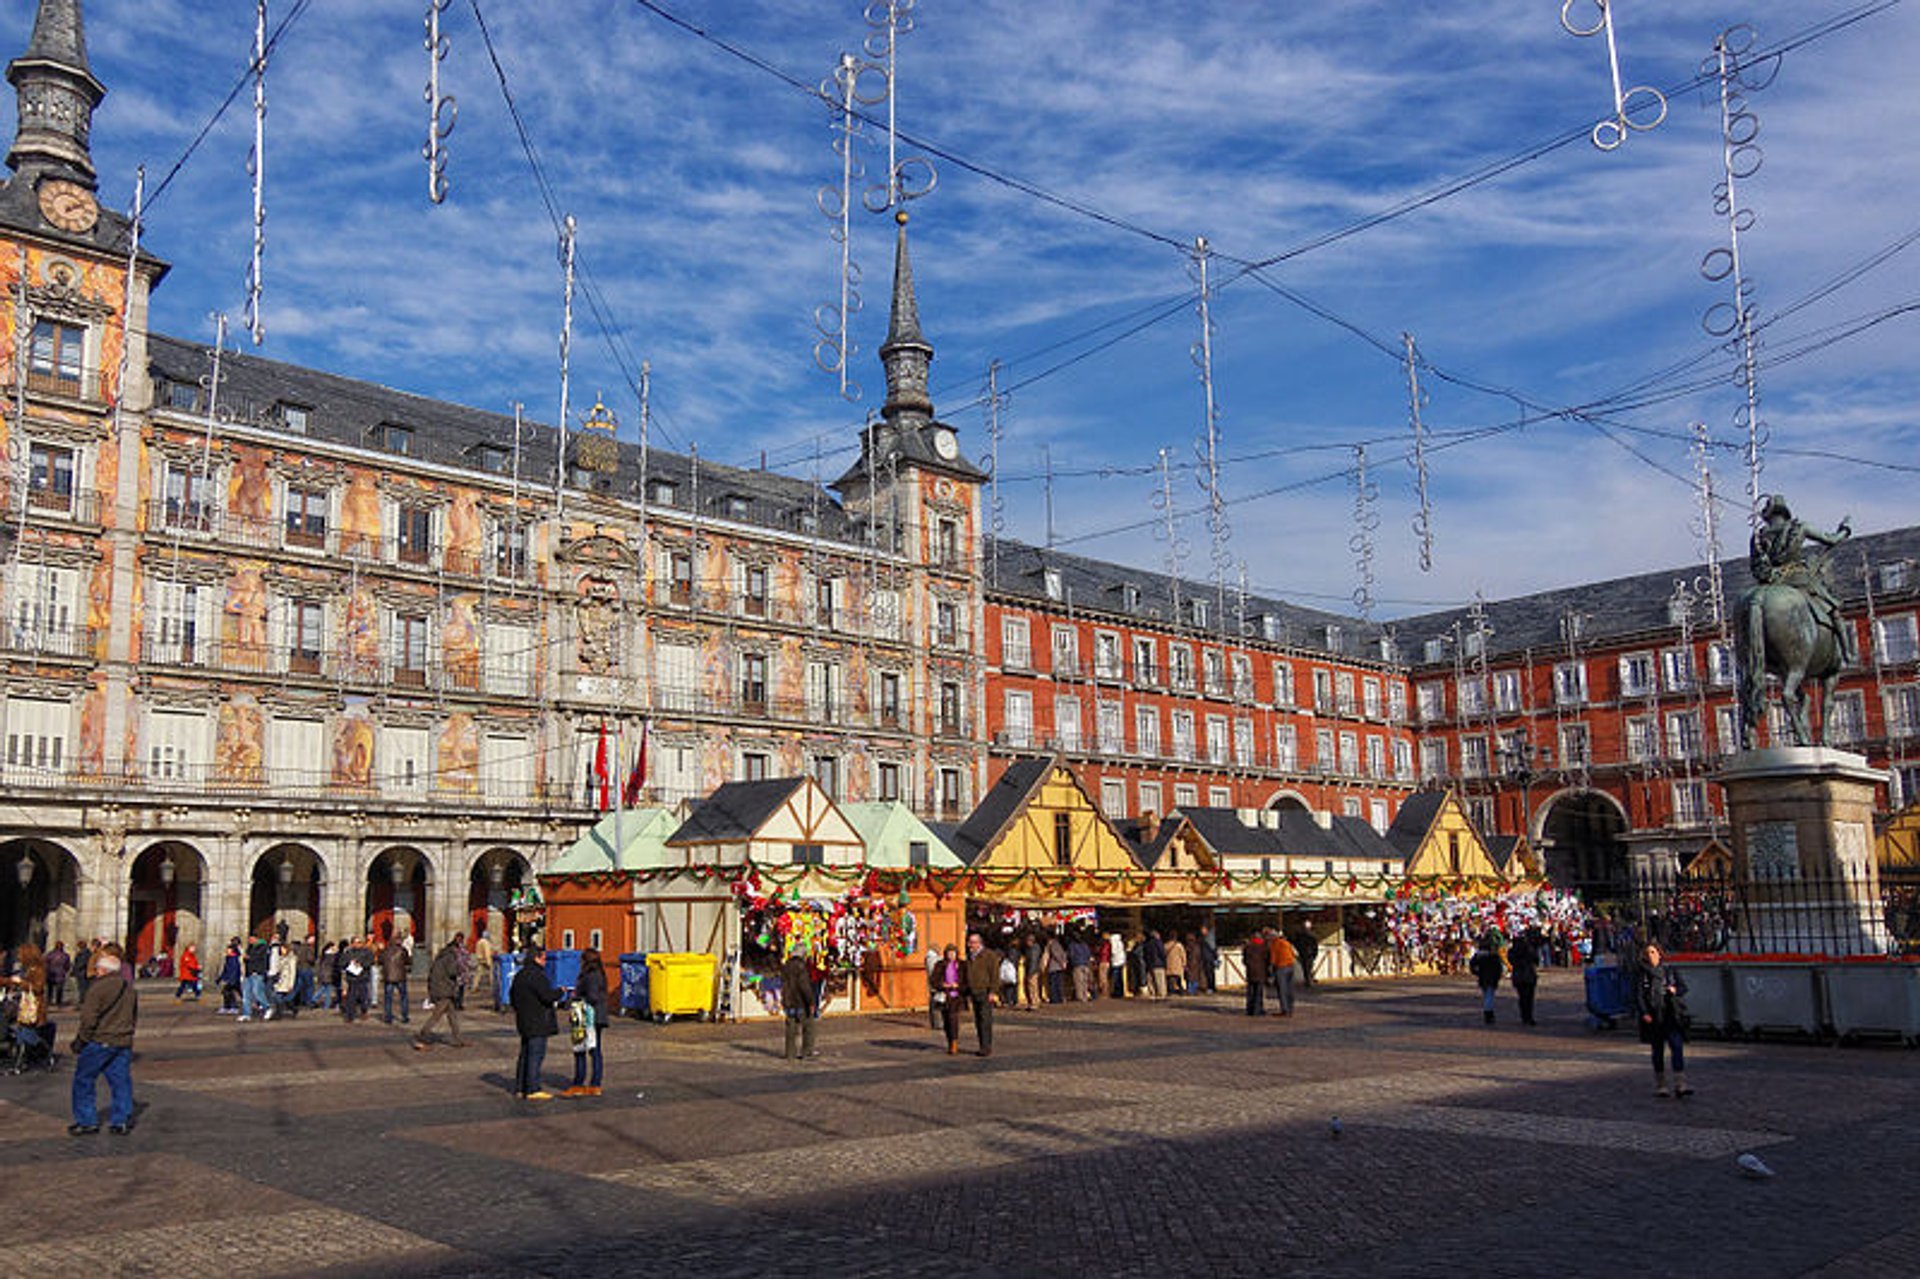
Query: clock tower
57, 93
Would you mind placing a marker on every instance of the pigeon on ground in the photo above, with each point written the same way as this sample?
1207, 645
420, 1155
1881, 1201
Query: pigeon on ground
1751, 1166
1334, 1129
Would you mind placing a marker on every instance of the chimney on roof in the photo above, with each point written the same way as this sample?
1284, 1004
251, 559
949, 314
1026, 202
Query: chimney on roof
1149, 823
1270, 818
1249, 818
1323, 819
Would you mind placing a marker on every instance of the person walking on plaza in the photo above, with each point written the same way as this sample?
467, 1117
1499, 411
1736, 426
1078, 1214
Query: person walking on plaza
356, 1001
1523, 957
1035, 957
444, 983
1280, 957
946, 982
189, 973
799, 1004
59, 967
1117, 963
1486, 969
283, 974
1660, 995
483, 969
230, 978
533, 998
980, 981
394, 962
255, 1000
589, 1023
103, 1045
1253, 958
933, 988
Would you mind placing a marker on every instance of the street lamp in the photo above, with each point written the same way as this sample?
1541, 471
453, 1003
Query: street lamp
24, 871
167, 872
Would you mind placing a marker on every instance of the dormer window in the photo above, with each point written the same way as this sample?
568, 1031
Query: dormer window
734, 506
1333, 639
661, 491
395, 438
1130, 597
1270, 628
184, 396
1895, 576
294, 417
1198, 608
1050, 579
492, 457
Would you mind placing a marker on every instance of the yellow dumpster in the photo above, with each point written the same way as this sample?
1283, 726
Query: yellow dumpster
680, 985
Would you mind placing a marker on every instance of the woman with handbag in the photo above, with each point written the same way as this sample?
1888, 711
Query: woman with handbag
589, 1017
947, 982
1660, 994
30, 1034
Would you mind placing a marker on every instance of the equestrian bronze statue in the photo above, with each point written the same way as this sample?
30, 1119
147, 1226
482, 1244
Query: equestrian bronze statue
1789, 623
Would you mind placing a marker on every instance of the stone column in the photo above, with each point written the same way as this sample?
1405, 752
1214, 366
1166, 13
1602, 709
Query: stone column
1802, 819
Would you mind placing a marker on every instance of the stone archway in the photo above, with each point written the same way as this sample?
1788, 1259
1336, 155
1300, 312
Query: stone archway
1282, 801
166, 910
496, 875
398, 881
1581, 840
39, 894
286, 888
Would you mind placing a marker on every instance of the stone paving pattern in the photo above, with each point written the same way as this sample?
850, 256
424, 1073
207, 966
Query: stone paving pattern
1105, 1139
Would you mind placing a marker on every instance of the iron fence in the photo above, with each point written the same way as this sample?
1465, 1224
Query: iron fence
1855, 911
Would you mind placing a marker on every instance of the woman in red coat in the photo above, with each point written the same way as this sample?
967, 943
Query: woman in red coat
189, 974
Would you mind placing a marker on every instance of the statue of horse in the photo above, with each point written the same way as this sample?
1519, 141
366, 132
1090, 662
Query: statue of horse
1780, 634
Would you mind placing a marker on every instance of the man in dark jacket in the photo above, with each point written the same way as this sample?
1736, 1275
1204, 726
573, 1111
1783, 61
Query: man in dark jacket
356, 975
255, 999
533, 998
1253, 957
980, 982
395, 960
444, 983
103, 1045
800, 1002
1523, 958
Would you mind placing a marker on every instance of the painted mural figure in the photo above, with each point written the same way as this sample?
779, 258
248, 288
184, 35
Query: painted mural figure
100, 603
239, 739
353, 750
459, 755
465, 534
92, 759
243, 627
460, 642
250, 491
360, 517
360, 635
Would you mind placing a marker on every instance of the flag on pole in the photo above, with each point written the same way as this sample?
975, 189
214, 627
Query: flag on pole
637, 779
603, 772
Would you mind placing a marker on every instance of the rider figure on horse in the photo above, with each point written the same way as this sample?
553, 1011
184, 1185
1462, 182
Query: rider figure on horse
1778, 555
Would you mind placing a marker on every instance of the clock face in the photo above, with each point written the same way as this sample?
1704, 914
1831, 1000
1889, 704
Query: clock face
68, 205
945, 444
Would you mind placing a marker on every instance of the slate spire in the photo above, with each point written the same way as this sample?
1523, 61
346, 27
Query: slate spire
57, 93
905, 354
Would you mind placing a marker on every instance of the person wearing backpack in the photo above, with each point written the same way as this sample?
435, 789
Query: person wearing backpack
1486, 969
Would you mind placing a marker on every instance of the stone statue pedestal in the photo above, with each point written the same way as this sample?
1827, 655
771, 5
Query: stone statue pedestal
1802, 819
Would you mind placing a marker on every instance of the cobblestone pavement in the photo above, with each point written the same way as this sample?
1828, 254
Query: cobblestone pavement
1105, 1139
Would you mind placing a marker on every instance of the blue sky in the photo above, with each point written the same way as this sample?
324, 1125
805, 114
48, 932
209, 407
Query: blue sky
1263, 127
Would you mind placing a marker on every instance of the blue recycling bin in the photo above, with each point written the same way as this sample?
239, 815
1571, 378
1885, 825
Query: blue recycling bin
506, 965
1609, 995
563, 968
633, 985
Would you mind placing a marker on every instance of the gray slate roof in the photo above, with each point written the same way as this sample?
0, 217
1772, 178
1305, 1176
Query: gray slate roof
1415, 818
1099, 586
347, 411
1622, 607
736, 811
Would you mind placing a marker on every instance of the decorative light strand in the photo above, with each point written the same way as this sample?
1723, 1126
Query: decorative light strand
1423, 515
1631, 107
442, 111
257, 170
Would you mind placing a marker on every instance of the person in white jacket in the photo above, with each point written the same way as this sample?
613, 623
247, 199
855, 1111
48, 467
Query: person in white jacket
1117, 964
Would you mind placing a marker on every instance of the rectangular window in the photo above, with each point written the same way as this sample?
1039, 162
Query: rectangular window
1377, 758
1433, 758
306, 636
188, 502
1213, 672
1146, 730
1473, 696
1343, 694
1895, 639
1218, 750
950, 793
1323, 691
1570, 684
1066, 723
1377, 815
510, 550
509, 658
1683, 735
1180, 663
1324, 757
1402, 760
1575, 750
176, 746
1903, 711
753, 683
56, 358
1186, 795
395, 438
296, 754
1149, 793
1243, 677
753, 766
1643, 739
1112, 728
826, 601
1506, 691
1690, 804
1243, 742
1066, 651
1145, 669
1370, 698
809, 854
1219, 797
50, 477
918, 853
951, 721
1050, 581
947, 543
1113, 798
1183, 743
887, 783
1063, 839
1848, 722
37, 734
415, 534
680, 578
1473, 757
826, 771
753, 594
1721, 670
946, 624
1286, 748
179, 623
890, 699
1433, 702
1016, 647
403, 763
410, 649
1676, 669
1282, 684
1106, 655
1636, 675
1019, 718
306, 518
1726, 728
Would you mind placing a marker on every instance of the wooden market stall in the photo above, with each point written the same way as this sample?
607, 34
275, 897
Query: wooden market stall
900, 848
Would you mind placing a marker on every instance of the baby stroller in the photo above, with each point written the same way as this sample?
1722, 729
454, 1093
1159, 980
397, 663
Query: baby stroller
22, 1049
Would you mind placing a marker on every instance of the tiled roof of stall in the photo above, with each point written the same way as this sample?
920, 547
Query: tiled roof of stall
341, 410
1625, 606
1098, 586
735, 811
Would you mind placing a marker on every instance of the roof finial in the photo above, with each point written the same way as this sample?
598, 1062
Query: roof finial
905, 354
57, 94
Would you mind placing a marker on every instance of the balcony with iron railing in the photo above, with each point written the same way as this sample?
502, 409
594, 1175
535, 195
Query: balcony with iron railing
175, 781
32, 637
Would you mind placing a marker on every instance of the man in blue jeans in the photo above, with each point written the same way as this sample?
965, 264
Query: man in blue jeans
533, 998
255, 1000
103, 1045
